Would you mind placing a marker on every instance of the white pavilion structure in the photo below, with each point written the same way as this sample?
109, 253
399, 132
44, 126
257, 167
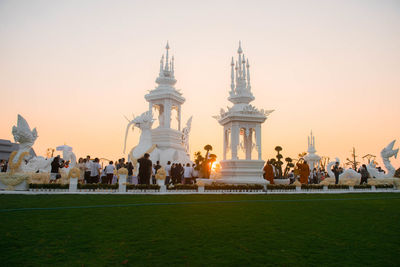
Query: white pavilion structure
241, 129
164, 143
312, 158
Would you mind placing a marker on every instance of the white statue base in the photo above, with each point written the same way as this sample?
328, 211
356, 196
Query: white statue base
23, 186
73, 184
169, 147
122, 183
242, 172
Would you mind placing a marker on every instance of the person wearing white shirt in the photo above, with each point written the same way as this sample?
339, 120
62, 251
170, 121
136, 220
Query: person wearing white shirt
168, 172
110, 172
95, 171
187, 174
88, 164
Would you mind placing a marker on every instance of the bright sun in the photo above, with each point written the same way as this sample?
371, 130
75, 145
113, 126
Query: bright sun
214, 165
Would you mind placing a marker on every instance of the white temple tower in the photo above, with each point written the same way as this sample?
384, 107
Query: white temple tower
165, 98
242, 129
312, 158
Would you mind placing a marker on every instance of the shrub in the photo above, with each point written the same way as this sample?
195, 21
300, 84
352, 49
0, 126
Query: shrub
183, 187
88, 186
338, 186
108, 186
362, 186
281, 187
384, 186
312, 186
142, 187
242, 187
49, 186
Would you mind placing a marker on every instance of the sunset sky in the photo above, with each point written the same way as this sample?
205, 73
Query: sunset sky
73, 69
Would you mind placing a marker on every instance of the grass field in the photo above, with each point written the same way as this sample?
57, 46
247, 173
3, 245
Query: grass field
194, 230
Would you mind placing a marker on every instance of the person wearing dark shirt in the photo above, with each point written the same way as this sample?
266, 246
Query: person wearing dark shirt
336, 171
157, 167
55, 166
364, 174
129, 166
145, 169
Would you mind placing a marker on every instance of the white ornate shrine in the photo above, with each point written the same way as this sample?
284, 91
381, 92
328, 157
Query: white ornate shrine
242, 129
312, 158
164, 143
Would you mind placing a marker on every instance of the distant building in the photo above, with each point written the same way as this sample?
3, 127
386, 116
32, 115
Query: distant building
6, 147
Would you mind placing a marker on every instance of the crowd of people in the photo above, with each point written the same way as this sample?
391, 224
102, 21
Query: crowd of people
93, 172
304, 175
179, 173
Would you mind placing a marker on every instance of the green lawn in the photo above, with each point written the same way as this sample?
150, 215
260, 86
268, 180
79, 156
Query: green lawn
295, 230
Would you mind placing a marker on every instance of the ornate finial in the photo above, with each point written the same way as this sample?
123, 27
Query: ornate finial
240, 48
248, 75
166, 58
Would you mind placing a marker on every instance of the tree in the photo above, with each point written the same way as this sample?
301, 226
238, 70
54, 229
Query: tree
289, 164
208, 148
198, 159
279, 162
204, 164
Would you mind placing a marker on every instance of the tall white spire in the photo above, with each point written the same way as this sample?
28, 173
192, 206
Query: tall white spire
244, 67
248, 75
240, 88
172, 68
161, 64
166, 61
232, 76
167, 69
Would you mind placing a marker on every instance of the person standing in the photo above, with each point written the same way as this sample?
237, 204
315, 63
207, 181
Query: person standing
95, 171
155, 170
269, 172
336, 172
129, 166
88, 166
168, 172
195, 173
180, 172
304, 172
364, 174
82, 168
314, 176
55, 167
109, 172
174, 173
187, 174
145, 169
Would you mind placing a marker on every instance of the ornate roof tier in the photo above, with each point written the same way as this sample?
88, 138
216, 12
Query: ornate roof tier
166, 81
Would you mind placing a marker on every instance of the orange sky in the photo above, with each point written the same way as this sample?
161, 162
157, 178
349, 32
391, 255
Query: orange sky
74, 68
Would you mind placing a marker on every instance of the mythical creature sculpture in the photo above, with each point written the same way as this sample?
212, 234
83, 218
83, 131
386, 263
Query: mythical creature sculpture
347, 173
186, 132
386, 154
21, 160
144, 122
24, 136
